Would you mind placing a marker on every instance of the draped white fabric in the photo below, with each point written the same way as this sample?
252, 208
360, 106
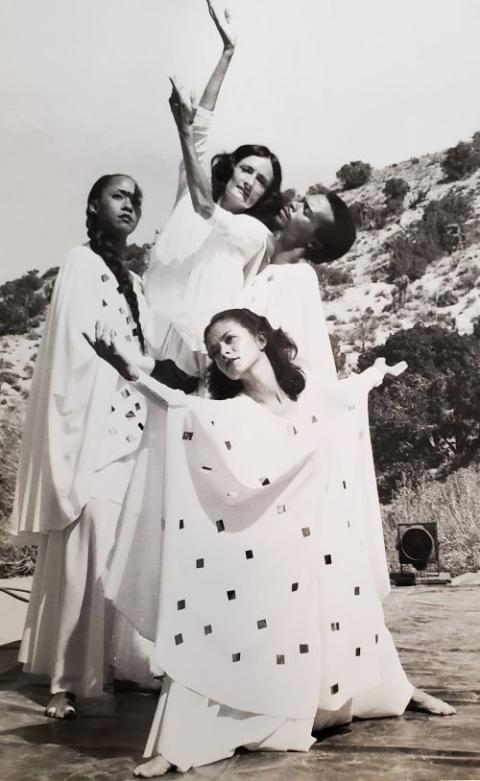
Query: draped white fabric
81, 415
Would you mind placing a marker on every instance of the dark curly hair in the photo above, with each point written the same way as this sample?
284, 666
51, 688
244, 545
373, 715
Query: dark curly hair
331, 240
270, 203
280, 350
103, 245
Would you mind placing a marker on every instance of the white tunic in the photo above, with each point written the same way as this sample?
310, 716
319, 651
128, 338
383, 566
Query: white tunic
198, 268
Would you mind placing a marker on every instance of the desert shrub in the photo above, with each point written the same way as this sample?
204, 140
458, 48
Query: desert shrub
460, 161
429, 238
367, 216
22, 303
418, 197
447, 298
395, 190
354, 174
429, 418
455, 505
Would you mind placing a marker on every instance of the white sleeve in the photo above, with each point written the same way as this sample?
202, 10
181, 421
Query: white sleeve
201, 128
159, 393
247, 234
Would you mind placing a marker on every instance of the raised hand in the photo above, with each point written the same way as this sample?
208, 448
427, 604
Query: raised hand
381, 367
224, 27
183, 110
114, 351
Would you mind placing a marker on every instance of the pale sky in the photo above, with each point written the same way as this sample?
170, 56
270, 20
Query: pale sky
322, 82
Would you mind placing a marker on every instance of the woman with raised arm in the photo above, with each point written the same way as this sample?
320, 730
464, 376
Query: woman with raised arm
215, 240
260, 552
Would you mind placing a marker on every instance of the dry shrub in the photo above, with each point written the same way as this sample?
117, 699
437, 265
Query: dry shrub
454, 504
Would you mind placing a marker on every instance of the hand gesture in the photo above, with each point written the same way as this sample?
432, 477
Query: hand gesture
183, 110
381, 367
114, 351
224, 27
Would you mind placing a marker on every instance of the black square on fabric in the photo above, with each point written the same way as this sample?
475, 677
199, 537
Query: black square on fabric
306, 531
231, 595
303, 648
356, 591
236, 657
181, 524
344, 484
130, 414
187, 435
357, 651
280, 659
262, 623
334, 688
141, 426
181, 604
328, 559
104, 277
200, 563
138, 405
207, 629
112, 409
228, 445
265, 481
178, 639
125, 393
294, 586
104, 303
220, 526
207, 468
314, 419
249, 554
281, 509
335, 626
376, 638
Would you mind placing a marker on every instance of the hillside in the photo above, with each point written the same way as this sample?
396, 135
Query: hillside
416, 261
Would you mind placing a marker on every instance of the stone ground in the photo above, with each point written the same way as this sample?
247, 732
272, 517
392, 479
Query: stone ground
437, 631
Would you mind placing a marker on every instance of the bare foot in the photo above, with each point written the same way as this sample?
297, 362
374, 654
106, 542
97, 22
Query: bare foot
157, 766
425, 702
61, 706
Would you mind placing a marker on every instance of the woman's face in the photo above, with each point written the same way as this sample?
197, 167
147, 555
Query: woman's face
118, 210
233, 348
250, 179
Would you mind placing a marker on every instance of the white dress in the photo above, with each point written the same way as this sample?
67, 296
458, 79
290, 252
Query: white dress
267, 613
82, 429
198, 268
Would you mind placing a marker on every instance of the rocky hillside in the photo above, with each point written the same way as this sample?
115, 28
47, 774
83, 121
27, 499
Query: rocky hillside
416, 261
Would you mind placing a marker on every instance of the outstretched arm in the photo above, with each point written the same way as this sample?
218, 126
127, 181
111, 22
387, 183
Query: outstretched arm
210, 94
198, 184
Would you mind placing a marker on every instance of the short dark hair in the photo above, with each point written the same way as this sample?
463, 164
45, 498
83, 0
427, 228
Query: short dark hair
280, 349
270, 203
331, 240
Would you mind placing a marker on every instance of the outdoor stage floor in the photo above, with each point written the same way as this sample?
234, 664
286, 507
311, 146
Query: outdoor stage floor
437, 631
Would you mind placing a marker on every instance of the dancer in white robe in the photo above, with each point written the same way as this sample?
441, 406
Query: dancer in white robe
269, 616
82, 430
210, 246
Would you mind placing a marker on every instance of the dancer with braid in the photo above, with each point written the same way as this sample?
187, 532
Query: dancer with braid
82, 429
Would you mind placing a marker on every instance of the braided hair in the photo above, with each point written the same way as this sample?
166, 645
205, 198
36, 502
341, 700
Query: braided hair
280, 349
101, 243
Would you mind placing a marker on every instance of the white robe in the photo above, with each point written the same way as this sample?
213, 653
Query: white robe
82, 429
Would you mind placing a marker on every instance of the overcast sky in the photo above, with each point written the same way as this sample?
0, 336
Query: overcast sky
322, 82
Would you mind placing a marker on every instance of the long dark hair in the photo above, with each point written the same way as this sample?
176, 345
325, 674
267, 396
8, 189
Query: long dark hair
102, 244
270, 203
279, 349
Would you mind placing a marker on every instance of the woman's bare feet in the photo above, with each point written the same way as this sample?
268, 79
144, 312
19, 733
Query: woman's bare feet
61, 706
425, 702
157, 766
